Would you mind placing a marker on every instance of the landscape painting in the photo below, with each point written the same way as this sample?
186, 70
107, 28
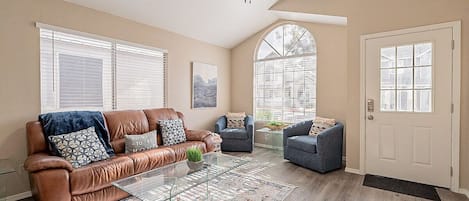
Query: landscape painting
204, 85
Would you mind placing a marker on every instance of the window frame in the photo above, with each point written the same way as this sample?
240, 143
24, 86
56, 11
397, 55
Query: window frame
113, 64
256, 60
413, 89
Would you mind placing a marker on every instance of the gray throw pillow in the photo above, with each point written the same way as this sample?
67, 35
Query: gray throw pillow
136, 143
172, 132
80, 148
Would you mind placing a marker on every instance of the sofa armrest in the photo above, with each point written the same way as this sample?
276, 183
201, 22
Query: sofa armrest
212, 142
330, 140
43, 161
196, 135
220, 124
301, 128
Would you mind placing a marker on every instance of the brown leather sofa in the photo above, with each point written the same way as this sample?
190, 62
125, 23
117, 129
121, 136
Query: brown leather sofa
54, 179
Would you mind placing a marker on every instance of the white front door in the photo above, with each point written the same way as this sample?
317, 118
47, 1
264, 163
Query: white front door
408, 113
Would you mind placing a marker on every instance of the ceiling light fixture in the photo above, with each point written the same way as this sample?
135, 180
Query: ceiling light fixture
247, 1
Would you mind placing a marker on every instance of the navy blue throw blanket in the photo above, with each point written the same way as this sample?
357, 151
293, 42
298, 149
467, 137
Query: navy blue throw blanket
59, 123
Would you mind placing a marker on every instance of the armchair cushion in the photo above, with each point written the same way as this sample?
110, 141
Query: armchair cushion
320, 124
234, 133
304, 142
235, 120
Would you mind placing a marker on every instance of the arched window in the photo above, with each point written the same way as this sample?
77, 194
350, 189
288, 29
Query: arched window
285, 75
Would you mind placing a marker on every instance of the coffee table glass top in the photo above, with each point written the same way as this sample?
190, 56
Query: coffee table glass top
169, 181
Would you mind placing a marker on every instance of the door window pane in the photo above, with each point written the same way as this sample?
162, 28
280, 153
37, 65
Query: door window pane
404, 78
404, 100
388, 78
423, 54
388, 100
404, 56
423, 101
423, 78
388, 57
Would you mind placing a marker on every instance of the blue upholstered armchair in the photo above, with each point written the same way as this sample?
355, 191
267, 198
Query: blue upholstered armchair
322, 153
236, 139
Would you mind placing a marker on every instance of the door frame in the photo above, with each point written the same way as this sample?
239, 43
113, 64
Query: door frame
456, 92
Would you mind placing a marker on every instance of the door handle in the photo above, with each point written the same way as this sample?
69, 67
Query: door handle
370, 117
370, 103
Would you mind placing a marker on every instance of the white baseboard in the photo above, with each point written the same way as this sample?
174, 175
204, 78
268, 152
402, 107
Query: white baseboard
464, 191
18, 196
353, 171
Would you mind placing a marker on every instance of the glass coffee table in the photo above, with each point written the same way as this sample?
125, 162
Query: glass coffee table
168, 182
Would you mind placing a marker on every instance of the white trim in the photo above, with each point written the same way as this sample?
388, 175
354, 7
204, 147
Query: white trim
18, 196
456, 116
71, 31
464, 191
309, 17
353, 171
456, 92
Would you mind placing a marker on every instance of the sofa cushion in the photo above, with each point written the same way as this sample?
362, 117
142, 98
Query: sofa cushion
99, 175
234, 133
127, 122
151, 159
180, 149
304, 143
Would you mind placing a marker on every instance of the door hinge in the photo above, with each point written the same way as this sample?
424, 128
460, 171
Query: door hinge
452, 108
451, 171
452, 44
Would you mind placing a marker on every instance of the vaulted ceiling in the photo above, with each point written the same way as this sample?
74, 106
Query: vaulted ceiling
224, 23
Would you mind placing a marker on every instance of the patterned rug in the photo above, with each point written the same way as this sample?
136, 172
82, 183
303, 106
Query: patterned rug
255, 167
242, 184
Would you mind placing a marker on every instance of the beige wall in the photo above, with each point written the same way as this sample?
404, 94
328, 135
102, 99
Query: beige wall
371, 16
19, 67
331, 43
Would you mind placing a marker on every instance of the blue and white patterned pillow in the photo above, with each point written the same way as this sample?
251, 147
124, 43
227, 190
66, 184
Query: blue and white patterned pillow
80, 148
172, 132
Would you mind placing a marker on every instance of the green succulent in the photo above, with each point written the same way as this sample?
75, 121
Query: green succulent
275, 123
194, 154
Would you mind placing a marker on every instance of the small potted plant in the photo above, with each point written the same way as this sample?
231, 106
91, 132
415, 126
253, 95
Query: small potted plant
194, 159
276, 125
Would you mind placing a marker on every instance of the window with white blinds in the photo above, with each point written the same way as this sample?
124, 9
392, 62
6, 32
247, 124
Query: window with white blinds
285, 78
85, 73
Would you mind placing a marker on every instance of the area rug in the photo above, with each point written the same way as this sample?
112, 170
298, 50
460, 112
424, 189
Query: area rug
233, 186
254, 167
400, 186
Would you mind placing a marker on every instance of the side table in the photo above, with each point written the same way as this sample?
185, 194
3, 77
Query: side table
273, 138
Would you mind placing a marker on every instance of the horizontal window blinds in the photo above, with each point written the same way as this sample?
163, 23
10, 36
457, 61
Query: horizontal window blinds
84, 73
139, 77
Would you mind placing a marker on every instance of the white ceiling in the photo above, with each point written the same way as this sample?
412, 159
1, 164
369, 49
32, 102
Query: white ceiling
225, 23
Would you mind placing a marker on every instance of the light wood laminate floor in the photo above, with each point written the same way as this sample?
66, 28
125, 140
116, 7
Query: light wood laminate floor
334, 186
